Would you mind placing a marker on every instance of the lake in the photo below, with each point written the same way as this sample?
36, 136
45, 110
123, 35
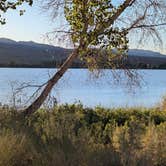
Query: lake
79, 85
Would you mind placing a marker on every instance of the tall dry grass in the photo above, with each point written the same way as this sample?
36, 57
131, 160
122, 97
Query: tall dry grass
71, 135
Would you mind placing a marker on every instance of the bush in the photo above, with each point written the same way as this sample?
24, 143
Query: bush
71, 135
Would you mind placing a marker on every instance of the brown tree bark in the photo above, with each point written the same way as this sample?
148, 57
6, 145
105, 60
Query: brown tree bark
47, 89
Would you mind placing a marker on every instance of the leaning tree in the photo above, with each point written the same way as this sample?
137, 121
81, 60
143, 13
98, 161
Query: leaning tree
99, 31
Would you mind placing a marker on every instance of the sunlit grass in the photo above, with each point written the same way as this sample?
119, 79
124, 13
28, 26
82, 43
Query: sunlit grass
71, 135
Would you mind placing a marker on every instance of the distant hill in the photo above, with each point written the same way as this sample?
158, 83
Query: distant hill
31, 54
146, 59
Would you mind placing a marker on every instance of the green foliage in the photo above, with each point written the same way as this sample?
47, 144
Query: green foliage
71, 135
5, 5
92, 26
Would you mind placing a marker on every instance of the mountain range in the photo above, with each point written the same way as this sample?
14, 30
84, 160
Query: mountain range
31, 54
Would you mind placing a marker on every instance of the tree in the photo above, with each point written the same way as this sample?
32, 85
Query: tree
99, 31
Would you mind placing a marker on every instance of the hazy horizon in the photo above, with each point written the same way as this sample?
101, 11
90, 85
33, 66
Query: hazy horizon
131, 49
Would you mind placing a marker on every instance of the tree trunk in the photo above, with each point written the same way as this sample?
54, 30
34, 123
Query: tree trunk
44, 94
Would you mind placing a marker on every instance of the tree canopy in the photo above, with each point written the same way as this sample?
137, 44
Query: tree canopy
91, 23
103, 27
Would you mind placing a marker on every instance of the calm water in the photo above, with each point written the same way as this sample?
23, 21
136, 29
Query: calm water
79, 85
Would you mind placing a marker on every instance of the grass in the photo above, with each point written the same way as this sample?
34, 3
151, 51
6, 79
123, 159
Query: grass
71, 135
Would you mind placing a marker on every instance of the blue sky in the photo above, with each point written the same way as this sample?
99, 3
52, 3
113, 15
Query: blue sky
33, 25
29, 27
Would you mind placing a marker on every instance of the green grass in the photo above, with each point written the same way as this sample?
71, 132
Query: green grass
71, 135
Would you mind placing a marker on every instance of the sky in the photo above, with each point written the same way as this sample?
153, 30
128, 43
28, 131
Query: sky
35, 23
29, 27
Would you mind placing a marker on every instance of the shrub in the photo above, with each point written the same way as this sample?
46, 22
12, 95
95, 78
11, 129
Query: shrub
71, 135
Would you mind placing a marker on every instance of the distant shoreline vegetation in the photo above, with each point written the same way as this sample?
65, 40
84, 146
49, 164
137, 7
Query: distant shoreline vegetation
128, 63
81, 66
